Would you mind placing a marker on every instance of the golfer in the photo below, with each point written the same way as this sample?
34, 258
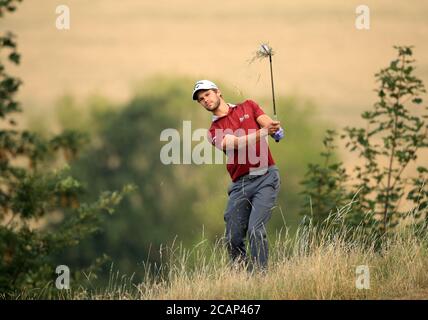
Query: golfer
241, 132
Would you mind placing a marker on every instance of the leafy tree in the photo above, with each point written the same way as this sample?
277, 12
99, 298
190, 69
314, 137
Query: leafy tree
324, 184
396, 133
31, 192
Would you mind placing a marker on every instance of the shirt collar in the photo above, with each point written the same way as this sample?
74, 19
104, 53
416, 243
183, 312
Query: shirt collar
214, 117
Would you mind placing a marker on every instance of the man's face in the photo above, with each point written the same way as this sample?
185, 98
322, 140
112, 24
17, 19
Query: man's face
209, 99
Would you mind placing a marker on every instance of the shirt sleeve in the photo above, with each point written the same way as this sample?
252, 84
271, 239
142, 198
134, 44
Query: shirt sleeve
257, 110
211, 135
216, 135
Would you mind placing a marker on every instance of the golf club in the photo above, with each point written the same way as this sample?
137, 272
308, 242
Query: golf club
264, 52
267, 51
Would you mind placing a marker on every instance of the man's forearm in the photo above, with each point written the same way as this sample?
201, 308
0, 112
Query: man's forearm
233, 142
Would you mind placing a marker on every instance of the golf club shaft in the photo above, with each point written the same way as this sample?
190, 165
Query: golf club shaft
273, 90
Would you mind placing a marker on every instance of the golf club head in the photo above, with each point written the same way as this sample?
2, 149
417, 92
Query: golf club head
265, 49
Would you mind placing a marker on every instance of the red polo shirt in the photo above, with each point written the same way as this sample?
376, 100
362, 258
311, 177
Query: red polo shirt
241, 120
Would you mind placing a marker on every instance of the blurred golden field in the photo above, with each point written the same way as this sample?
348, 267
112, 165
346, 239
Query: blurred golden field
114, 45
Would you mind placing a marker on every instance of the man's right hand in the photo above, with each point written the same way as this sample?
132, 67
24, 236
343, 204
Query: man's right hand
273, 127
275, 130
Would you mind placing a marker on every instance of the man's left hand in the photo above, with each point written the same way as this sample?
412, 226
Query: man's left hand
278, 135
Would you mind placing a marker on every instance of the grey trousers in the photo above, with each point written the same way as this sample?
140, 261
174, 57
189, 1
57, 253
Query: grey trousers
251, 199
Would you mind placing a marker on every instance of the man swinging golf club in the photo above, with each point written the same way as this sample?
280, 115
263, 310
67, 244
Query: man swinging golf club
240, 131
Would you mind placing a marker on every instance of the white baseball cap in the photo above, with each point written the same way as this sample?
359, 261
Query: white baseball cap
203, 85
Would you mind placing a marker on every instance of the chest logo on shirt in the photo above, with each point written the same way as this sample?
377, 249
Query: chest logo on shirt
246, 116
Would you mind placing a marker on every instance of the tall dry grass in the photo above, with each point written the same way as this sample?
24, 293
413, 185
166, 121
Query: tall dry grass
317, 262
